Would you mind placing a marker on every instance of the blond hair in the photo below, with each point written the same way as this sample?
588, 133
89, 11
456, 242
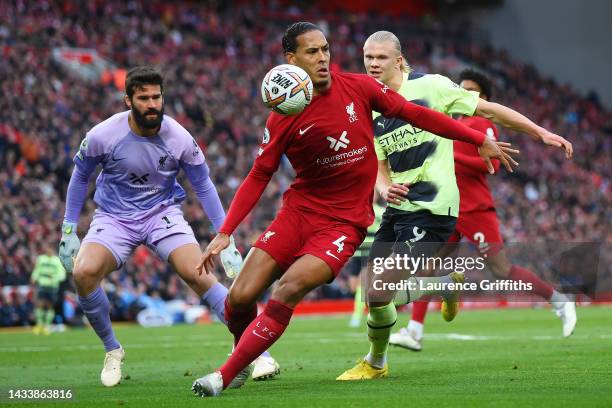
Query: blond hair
382, 36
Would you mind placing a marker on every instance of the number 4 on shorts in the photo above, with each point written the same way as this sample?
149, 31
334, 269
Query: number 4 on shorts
339, 243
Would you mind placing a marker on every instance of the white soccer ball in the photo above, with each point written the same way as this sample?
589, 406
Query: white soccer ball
286, 89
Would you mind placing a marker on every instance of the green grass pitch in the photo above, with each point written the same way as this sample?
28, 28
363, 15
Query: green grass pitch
484, 358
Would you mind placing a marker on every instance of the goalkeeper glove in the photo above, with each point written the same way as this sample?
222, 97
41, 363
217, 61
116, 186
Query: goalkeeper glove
231, 259
69, 245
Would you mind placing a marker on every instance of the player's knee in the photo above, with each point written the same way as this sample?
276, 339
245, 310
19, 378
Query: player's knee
378, 297
371, 293
86, 274
290, 292
240, 299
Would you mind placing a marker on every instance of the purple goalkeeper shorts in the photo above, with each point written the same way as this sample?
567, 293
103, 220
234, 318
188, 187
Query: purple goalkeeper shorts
163, 231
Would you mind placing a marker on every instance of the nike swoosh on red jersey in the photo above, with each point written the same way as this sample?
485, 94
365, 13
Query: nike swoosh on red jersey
332, 255
306, 130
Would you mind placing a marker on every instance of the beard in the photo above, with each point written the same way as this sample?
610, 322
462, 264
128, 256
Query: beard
321, 83
142, 121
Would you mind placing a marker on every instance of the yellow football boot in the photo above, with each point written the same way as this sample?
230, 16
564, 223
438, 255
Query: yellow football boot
450, 302
363, 371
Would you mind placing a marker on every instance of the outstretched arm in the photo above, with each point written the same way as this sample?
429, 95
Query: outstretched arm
443, 126
245, 199
474, 164
392, 104
248, 194
199, 177
511, 119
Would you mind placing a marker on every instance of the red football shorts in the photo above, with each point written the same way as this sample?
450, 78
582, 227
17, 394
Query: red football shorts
480, 228
294, 233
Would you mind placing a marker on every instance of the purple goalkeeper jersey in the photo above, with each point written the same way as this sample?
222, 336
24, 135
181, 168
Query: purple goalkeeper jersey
138, 174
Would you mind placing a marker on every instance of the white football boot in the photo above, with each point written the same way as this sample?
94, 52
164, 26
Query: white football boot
111, 371
265, 368
407, 339
210, 385
567, 313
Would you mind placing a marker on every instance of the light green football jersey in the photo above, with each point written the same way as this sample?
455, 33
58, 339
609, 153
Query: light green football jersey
48, 271
421, 159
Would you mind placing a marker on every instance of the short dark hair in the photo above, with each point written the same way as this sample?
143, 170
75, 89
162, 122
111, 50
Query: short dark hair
293, 31
140, 76
481, 79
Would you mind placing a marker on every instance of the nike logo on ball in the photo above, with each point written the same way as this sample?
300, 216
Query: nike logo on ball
302, 131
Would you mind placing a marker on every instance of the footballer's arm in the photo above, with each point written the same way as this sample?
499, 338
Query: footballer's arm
474, 164
199, 178
245, 199
392, 193
391, 104
511, 119
247, 196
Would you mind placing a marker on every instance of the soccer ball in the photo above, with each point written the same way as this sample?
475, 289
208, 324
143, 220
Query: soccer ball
286, 89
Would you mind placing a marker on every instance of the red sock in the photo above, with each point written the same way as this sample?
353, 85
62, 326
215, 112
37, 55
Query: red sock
539, 286
238, 320
257, 338
419, 310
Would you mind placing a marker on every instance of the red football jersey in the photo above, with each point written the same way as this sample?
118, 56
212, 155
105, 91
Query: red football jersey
471, 170
330, 146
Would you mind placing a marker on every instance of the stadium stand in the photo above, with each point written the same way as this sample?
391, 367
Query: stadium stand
213, 59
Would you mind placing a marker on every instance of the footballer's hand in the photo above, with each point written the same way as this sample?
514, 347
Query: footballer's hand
395, 193
497, 150
69, 245
218, 244
551, 139
231, 259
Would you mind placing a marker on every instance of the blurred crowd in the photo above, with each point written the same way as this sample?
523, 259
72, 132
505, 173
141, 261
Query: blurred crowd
213, 56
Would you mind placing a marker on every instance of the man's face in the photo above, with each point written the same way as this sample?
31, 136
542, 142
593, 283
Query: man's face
381, 60
147, 105
471, 86
312, 55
